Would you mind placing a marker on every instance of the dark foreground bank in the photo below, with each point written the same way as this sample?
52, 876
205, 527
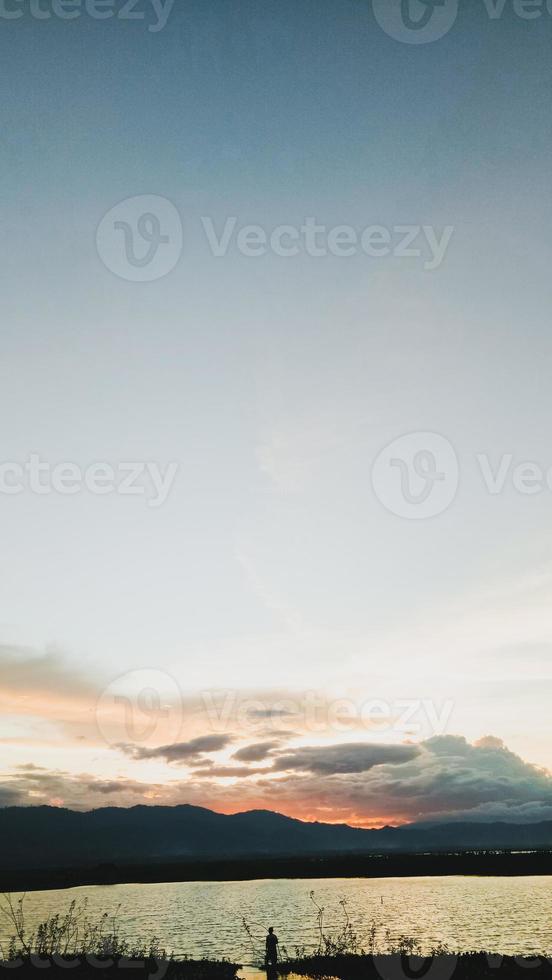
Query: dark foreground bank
63, 967
405, 966
243, 869
443, 966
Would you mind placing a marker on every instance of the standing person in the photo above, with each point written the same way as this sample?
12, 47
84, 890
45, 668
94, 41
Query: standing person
271, 957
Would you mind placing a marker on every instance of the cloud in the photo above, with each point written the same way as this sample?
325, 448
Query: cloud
41, 688
30, 785
46, 697
264, 713
180, 752
109, 787
27, 671
490, 742
448, 777
444, 778
236, 772
533, 812
10, 796
350, 757
255, 752
291, 451
458, 776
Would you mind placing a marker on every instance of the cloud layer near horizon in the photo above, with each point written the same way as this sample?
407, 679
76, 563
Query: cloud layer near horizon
444, 778
275, 760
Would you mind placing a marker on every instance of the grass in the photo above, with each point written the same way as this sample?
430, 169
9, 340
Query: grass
379, 956
71, 941
402, 966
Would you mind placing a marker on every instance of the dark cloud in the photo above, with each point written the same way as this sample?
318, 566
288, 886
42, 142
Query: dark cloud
264, 713
533, 812
180, 752
449, 778
255, 752
458, 776
109, 787
237, 772
11, 795
279, 733
346, 758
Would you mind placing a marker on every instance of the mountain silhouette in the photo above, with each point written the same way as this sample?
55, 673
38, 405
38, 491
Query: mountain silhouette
42, 836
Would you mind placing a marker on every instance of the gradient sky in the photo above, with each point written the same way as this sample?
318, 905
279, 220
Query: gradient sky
273, 570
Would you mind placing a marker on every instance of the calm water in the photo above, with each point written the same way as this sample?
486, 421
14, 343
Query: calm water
509, 915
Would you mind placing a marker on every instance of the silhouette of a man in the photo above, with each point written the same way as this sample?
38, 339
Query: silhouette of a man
271, 948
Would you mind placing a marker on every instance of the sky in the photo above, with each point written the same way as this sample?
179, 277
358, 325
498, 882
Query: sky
275, 467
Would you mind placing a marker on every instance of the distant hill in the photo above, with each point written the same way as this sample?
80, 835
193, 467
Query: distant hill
38, 837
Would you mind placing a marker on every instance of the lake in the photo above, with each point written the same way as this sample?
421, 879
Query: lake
508, 915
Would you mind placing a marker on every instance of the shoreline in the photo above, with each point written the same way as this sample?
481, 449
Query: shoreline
399, 965
479, 863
